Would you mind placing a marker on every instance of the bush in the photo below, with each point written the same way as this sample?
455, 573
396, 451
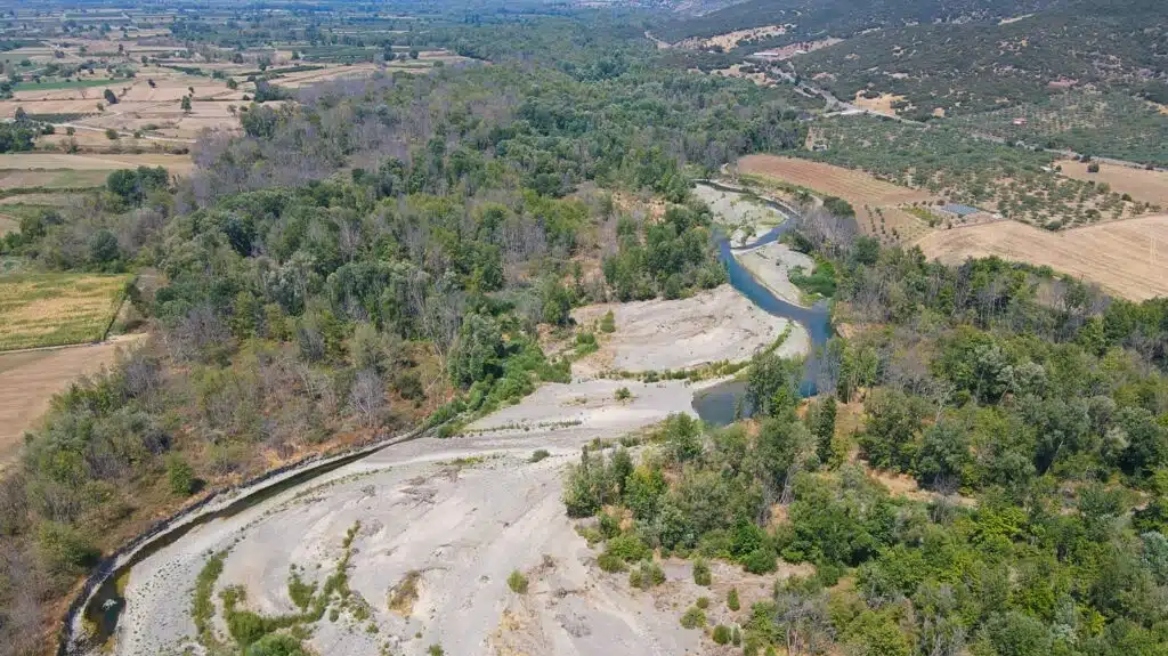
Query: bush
517, 582
721, 634
759, 561
539, 454
608, 323
610, 562
701, 572
436, 650
732, 599
702, 602
628, 547
647, 575
180, 475
693, 618
623, 394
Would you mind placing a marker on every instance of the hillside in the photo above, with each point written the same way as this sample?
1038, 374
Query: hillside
976, 67
844, 18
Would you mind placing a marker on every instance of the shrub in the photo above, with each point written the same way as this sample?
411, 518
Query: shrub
628, 547
760, 561
436, 650
732, 599
608, 323
539, 454
623, 394
721, 634
701, 572
517, 582
702, 602
647, 575
610, 562
693, 618
180, 475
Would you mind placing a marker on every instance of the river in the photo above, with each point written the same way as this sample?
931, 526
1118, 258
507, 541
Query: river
719, 405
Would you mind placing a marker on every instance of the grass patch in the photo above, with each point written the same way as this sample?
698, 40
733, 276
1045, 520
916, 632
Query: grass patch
55, 85
54, 309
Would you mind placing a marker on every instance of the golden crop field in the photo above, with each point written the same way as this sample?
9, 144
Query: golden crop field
1127, 258
53, 309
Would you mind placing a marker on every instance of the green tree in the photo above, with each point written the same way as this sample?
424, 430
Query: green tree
477, 352
180, 475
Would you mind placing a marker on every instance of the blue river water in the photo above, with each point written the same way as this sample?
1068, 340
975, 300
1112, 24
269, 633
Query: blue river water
720, 404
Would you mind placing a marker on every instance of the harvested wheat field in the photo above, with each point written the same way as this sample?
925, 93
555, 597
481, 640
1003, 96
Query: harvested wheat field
1145, 186
856, 187
1127, 258
102, 162
53, 309
29, 379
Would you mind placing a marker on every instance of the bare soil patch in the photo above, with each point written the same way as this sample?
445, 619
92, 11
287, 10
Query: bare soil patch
1127, 258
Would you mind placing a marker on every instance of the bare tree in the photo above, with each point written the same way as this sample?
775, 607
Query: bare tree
367, 398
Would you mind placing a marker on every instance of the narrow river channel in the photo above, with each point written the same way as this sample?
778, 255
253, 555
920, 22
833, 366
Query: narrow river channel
719, 405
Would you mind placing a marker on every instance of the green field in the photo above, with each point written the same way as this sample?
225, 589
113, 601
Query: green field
54, 309
56, 85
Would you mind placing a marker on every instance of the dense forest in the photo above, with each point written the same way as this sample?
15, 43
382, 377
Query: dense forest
1028, 409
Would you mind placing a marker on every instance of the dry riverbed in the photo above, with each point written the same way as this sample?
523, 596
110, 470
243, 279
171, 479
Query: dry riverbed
437, 526
747, 218
771, 265
712, 326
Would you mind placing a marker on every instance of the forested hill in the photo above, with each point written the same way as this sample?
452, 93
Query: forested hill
844, 18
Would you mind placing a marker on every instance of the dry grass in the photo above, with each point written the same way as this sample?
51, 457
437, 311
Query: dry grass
730, 40
1127, 258
1145, 186
53, 309
8, 224
881, 104
29, 379
51, 179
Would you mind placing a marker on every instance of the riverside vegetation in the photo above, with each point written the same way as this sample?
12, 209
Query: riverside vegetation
1029, 411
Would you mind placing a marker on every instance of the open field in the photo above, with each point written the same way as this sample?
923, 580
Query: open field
52, 309
877, 203
51, 179
1127, 258
102, 162
882, 104
852, 186
730, 40
1142, 185
29, 379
